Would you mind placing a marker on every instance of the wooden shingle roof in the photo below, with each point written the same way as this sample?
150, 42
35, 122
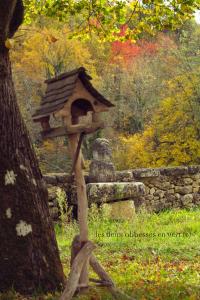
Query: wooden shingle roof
60, 88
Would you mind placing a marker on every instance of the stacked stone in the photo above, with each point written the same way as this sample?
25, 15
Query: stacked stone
55, 181
172, 187
101, 167
154, 189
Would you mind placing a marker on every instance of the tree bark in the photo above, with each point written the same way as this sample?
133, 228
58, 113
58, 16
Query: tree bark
29, 257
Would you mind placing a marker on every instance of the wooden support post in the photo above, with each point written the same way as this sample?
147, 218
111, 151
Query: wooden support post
100, 282
82, 201
77, 153
75, 248
99, 270
76, 268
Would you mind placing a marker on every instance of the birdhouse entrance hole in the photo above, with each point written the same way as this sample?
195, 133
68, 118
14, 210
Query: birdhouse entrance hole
80, 108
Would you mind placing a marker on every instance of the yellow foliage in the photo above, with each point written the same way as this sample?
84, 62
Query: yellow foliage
172, 138
48, 51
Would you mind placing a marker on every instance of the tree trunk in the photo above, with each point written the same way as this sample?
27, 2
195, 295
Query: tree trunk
29, 257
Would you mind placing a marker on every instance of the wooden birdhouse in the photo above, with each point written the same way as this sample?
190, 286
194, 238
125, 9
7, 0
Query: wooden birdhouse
71, 97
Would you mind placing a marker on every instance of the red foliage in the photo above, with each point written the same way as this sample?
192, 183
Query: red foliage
127, 51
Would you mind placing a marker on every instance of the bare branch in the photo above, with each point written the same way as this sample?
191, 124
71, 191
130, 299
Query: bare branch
132, 13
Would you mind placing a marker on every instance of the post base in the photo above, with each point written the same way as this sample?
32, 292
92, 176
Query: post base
80, 255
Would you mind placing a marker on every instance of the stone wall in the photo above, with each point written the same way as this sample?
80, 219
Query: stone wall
153, 189
164, 188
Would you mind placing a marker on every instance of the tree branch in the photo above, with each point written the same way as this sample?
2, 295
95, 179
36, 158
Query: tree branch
6, 12
17, 18
11, 17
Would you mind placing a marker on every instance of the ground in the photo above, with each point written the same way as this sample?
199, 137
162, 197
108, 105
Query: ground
152, 256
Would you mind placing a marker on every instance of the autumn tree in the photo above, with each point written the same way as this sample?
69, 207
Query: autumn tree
173, 137
134, 79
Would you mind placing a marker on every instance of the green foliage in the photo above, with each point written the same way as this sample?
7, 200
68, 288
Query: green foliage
65, 211
104, 18
96, 214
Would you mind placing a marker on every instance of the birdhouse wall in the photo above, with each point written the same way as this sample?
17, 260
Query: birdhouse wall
80, 92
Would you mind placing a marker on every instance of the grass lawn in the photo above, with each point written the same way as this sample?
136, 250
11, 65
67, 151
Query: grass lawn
152, 256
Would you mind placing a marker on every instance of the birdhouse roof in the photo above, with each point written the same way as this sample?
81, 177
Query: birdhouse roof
60, 88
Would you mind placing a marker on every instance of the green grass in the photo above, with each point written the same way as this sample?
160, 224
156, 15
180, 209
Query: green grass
152, 256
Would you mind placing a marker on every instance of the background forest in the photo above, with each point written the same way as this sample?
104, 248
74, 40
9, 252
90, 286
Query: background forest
154, 84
